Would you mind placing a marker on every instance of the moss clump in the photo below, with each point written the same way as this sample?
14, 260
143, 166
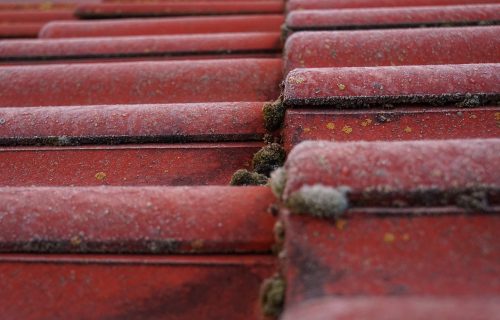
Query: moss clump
272, 296
279, 232
319, 201
244, 177
274, 115
278, 181
268, 159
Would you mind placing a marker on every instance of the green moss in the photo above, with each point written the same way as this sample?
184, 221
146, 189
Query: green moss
268, 159
244, 177
274, 115
273, 296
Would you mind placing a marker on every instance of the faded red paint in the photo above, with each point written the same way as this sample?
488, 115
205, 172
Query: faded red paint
152, 164
406, 234
238, 121
44, 4
35, 15
177, 8
445, 255
20, 30
145, 57
159, 26
141, 82
409, 173
396, 124
157, 220
392, 17
393, 47
394, 308
175, 46
343, 4
39, 5
132, 286
355, 87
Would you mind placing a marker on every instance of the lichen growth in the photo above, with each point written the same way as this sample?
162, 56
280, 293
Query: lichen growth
347, 129
272, 296
319, 201
274, 114
389, 237
474, 201
268, 159
470, 101
100, 176
244, 177
278, 181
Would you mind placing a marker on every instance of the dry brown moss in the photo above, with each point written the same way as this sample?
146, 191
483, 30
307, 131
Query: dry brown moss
272, 297
244, 177
274, 114
269, 158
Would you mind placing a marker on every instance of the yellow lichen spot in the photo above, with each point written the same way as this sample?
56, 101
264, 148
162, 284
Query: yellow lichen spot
46, 5
389, 237
340, 224
330, 125
366, 122
306, 130
407, 129
296, 80
100, 176
197, 244
75, 241
406, 237
341, 86
347, 129
436, 173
